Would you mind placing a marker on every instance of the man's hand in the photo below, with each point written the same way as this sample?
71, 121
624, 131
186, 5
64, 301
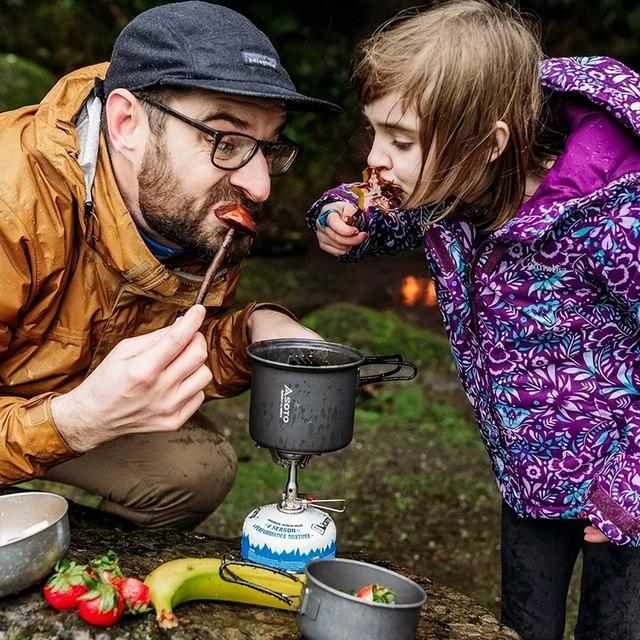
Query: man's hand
267, 324
148, 383
334, 235
591, 534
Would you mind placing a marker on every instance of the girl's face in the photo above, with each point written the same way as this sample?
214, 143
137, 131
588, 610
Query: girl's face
395, 150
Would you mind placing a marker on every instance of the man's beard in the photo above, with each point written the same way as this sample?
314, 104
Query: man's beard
170, 212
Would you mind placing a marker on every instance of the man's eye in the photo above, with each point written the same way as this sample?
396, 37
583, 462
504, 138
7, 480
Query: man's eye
226, 146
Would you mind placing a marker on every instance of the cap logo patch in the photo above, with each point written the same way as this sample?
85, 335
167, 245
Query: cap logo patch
259, 59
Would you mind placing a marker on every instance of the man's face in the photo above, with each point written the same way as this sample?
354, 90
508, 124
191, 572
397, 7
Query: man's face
179, 188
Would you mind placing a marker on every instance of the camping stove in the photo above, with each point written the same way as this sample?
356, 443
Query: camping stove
289, 534
303, 404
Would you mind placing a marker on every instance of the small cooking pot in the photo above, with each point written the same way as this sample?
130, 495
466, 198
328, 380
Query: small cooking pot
327, 610
303, 392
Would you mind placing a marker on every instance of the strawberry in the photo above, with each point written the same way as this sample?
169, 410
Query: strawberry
135, 593
107, 566
376, 593
66, 585
102, 606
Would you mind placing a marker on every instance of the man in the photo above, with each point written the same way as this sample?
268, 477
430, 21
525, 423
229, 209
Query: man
107, 223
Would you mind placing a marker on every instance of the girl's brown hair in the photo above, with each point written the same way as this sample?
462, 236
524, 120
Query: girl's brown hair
463, 65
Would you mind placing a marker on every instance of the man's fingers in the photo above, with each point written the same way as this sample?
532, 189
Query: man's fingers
174, 338
187, 361
196, 382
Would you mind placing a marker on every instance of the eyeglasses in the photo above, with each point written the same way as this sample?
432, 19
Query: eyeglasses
231, 150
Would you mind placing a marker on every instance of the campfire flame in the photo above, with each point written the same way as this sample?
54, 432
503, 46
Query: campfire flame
418, 292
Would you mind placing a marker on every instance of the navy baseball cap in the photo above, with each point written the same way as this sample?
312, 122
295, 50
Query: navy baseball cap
198, 45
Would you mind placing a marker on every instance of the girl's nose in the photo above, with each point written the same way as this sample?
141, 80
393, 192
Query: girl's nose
377, 158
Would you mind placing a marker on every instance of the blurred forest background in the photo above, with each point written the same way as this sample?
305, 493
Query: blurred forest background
48, 38
416, 478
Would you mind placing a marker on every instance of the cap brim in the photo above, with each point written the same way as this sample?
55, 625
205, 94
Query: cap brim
295, 101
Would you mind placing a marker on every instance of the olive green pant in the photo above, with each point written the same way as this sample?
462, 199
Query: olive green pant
156, 480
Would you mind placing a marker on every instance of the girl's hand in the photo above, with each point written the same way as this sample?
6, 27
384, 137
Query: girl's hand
591, 534
335, 236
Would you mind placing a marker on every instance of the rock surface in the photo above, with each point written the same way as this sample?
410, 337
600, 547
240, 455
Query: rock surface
448, 615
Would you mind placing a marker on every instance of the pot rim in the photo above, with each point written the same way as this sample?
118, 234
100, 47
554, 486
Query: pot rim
301, 342
55, 496
395, 607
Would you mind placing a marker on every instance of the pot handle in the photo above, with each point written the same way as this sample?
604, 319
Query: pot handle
309, 605
387, 376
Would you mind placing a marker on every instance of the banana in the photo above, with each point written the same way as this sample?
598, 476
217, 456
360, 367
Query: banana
187, 579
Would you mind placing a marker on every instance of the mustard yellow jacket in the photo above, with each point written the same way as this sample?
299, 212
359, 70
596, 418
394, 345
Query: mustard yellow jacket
72, 286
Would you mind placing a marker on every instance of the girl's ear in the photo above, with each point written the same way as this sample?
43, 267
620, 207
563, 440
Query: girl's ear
501, 138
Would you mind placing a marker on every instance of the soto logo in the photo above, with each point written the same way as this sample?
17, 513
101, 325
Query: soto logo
285, 403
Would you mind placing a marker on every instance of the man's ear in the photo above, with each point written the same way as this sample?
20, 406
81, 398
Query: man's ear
501, 134
127, 124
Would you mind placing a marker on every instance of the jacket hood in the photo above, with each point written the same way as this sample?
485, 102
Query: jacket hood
596, 102
603, 81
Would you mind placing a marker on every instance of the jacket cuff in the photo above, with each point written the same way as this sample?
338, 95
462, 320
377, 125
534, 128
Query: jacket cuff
620, 526
48, 446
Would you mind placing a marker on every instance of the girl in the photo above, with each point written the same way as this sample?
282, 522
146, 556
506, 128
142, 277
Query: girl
521, 178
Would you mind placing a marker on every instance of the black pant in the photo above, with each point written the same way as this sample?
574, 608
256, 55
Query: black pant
538, 557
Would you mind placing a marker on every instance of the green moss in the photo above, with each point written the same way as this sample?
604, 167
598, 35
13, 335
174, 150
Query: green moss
22, 82
381, 333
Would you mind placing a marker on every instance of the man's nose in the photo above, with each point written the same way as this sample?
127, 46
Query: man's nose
253, 178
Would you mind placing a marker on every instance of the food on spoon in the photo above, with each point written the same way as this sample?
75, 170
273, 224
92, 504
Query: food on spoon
237, 217
376, 593
375, 192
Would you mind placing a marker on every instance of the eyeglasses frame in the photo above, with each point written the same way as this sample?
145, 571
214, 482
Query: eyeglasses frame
218, 135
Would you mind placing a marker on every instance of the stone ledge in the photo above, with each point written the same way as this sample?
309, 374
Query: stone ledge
447, 615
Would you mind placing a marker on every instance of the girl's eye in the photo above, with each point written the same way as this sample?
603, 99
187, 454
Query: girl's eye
403, 146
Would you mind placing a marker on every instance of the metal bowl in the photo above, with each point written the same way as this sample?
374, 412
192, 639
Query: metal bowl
328, 610
34, 535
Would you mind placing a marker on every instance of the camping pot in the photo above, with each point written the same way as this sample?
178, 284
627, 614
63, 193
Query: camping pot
303, 392
328, 610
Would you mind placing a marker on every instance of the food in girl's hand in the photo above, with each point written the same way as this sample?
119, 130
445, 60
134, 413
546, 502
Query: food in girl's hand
98, 590
375, 192
376, 593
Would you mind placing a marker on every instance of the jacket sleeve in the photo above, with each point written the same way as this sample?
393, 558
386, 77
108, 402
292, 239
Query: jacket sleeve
388, 232
30, 441
228, 357
613, 248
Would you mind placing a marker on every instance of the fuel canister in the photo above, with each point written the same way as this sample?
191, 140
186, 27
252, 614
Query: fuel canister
287, 540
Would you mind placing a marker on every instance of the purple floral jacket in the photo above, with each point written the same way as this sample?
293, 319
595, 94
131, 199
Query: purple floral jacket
543, 315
